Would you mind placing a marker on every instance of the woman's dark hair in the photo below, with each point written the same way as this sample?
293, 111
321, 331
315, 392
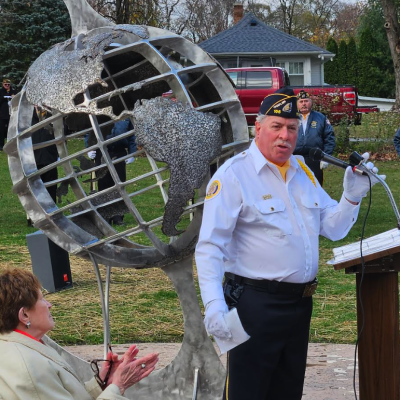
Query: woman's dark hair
18, 288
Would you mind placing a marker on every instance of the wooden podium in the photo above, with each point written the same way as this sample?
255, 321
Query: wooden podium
379, 347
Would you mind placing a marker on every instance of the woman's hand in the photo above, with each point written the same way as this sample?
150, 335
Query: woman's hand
106, 366
131, 370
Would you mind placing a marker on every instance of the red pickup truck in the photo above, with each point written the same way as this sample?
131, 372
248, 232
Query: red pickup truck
338, 102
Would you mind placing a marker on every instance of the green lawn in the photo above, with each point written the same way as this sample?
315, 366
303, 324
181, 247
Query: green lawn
144, 305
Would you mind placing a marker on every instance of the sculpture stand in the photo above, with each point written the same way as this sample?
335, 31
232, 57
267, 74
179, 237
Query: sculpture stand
379, 347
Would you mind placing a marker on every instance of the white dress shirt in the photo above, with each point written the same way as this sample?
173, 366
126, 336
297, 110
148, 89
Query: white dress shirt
304, 122
258, 226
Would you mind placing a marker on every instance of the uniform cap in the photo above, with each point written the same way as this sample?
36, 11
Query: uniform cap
282, 103
303, 95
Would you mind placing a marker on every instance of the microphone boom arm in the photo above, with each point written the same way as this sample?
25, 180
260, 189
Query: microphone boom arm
388, 191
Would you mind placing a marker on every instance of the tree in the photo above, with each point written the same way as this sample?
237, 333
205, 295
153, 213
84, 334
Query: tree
372, 78
346, 20
331, 67
207, 18
342, 63
260, 10
390, 11
27, 29
352, 62
376, 69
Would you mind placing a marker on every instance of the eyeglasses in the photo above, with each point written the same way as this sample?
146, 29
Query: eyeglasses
6, 84
95, 368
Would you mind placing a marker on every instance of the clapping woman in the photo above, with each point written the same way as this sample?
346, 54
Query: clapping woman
31, 370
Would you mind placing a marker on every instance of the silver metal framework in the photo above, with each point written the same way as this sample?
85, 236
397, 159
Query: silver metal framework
120, 65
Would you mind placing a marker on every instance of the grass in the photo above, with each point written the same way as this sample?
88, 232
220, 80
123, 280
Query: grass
143, 304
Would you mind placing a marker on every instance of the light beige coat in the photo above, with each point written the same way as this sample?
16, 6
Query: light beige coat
30, 370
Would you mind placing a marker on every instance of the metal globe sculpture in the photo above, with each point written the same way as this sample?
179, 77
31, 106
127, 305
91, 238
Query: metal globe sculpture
186, 116
92, 81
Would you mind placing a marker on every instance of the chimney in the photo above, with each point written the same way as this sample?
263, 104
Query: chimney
237, 12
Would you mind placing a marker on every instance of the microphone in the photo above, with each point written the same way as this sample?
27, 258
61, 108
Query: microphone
318, 155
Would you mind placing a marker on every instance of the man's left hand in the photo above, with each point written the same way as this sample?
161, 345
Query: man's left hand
130, 160
357, 186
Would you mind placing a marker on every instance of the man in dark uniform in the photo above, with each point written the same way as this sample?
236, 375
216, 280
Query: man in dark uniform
6, 94
117, 149
45, 155
315, 132
263, 214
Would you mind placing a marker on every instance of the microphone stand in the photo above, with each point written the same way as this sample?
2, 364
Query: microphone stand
386, 187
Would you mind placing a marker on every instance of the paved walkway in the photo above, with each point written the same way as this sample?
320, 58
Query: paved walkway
329, 374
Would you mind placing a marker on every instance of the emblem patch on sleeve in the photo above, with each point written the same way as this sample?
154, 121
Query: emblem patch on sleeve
213, 189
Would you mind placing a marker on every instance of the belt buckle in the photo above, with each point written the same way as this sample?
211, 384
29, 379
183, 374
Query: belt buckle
310, 288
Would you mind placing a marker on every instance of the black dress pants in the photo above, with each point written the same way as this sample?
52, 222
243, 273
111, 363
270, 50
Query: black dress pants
271, 364
48, 176
107, 181
3, 131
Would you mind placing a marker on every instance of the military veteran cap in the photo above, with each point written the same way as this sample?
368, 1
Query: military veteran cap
303, 95
282, 103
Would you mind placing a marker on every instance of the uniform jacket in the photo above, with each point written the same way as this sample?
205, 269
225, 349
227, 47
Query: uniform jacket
4, 108
396, 141
30, 370
128, 143
46, 155
319, 133
258, 226
120, 146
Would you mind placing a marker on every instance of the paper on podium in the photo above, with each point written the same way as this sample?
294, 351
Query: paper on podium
239, 335
383, 241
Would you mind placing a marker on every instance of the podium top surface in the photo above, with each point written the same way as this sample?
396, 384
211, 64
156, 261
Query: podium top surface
377, 246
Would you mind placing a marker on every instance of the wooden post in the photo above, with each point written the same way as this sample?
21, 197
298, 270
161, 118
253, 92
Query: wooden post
379, 348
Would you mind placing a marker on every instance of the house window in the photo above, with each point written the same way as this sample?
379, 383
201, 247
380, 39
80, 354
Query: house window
258, 79
280, 65
231, 64
296, 73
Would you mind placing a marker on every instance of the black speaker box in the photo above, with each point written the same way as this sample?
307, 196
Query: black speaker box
50, 263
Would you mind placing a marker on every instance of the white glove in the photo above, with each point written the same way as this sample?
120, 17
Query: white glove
130, 160
323, 165
356, 186
92, 154
215, 321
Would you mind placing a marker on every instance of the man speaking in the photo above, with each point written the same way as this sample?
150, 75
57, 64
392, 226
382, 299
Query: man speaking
263, 214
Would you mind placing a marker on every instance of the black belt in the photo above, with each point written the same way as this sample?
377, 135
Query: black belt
301, 289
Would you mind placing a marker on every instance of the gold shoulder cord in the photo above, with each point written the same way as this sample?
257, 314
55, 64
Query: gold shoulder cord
307, 171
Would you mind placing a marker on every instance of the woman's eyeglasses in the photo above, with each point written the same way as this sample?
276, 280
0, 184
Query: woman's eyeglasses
95, 368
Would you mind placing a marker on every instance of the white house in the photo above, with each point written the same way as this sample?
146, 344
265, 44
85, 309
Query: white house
252, 43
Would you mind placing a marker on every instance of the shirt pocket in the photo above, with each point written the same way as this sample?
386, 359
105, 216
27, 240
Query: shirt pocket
272, 214
311, 213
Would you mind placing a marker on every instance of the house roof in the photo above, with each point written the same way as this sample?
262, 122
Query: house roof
250, 35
